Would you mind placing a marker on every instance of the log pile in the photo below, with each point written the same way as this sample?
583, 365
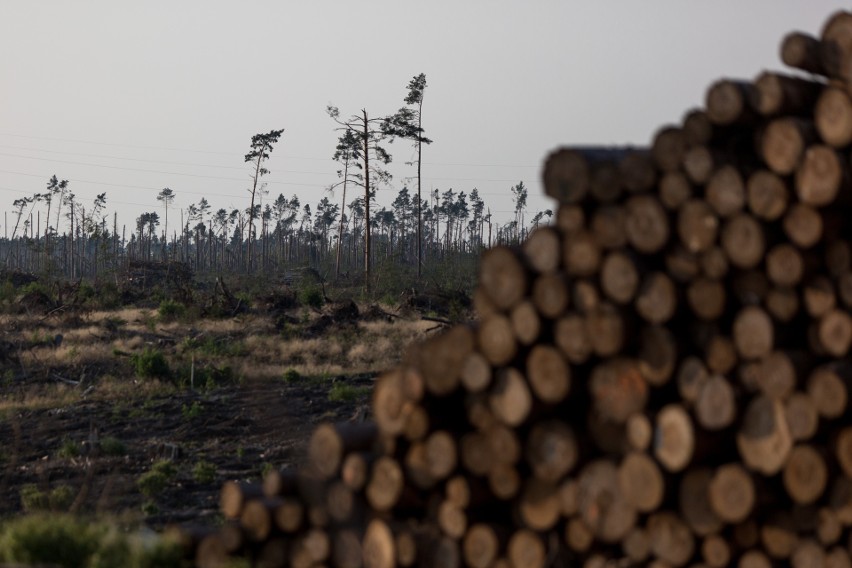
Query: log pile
661, 378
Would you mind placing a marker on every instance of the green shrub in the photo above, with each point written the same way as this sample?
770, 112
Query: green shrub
85, 292
171, 310
111, 446
291, 376
69, 449
37, 288
55, 540
108, 296
311, 296
150, 508
69, 542
33, 498
60, 498
193, 411
7, 292
341, 392
150, 363
215, 347
155, 481
204, 472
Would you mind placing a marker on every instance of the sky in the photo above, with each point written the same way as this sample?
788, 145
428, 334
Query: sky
128, 97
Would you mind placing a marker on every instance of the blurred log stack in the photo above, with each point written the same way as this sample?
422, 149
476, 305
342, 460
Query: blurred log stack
661, 378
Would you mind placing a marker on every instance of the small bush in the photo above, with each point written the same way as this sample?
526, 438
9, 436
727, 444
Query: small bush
54, 540
311, 296
108, 296
170, 310
68, 542
215, 347
150, 363
204, 472
150, 508
69, 449
341, 392
7, 292
291, 376
193, 411
111, 446
36, 288
33, 499
60, 498
155, 481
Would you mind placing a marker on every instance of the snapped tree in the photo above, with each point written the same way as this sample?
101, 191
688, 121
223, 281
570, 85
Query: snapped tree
261, 146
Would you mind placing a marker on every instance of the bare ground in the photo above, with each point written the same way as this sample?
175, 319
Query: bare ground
74, 416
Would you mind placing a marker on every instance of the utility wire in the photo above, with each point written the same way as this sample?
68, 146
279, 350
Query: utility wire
119, 145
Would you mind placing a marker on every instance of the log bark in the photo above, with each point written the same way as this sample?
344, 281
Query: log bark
777, 94
729, 101
833, 117
802, 51
330, 443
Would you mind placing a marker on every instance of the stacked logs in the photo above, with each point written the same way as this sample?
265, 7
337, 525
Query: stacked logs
661, 378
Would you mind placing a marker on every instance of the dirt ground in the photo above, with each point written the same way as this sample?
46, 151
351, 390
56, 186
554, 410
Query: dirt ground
79, 430
239, 430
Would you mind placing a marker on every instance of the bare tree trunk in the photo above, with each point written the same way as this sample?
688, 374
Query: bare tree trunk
366, 202
419, 201
340, 225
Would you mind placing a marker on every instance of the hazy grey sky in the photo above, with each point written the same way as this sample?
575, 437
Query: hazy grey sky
129, 97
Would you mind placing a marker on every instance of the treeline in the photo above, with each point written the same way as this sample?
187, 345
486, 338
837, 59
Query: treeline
54, 234
57, 235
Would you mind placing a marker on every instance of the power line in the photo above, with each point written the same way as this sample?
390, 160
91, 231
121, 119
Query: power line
113, 144
138, 146
243, 168
275, 182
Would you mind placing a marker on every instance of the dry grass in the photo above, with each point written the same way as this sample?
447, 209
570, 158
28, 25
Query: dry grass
39, 398
94, 346
112, 388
